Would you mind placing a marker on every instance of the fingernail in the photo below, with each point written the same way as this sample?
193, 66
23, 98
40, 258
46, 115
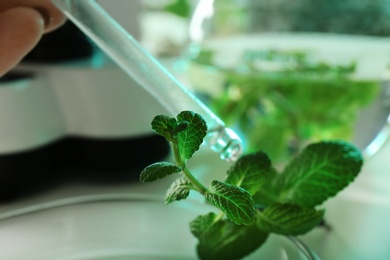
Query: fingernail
45, 15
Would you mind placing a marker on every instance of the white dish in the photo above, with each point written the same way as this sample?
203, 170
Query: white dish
113, 227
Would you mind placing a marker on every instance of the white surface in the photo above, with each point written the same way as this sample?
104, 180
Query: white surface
99, 229
128, 229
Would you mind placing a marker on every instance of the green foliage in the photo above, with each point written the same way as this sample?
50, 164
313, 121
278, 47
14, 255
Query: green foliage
255, 200
222, 239
166, 127
158, 170
318, 173
180, 8
185, 133
234, 201
202, 226
250, 172
282, 110
180, 189
191, 138
287, 219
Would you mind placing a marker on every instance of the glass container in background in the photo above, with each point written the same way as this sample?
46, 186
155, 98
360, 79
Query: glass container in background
164, 26
289, 73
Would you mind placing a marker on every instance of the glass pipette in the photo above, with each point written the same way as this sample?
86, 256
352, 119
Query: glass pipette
140, 65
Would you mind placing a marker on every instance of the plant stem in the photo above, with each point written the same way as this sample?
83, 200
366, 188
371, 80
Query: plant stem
219, 216
176, 153
182, 164
199, 186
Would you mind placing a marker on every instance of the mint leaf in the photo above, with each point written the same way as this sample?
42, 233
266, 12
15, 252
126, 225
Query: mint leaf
206, 227
164, 126
190, 139
250, 172
158, 170
318, 173
179, 189
234, 201
223, 239
288, 219
268, 194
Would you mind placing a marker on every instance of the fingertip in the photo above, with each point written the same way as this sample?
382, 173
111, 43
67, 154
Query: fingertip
20, 30
52, 17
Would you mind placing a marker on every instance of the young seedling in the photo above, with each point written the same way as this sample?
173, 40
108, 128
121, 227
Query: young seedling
254, 200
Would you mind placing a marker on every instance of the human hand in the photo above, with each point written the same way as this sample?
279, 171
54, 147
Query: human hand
22, 23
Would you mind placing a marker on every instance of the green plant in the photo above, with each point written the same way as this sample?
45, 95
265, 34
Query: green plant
255, 199
283, 100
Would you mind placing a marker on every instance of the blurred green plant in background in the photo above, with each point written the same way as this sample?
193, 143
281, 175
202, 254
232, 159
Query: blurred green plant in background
180, 8
363, 17
298, 101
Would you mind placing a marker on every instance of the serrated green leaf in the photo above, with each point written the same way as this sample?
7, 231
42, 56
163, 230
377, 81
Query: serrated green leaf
206, 227
223, 239
268, 194
164, 126
190, 139
234, 201
318, 173
158, 170
180, 189
288, 219
250, 172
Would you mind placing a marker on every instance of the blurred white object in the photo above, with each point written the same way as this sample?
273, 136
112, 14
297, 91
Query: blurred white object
29, 114
127, 13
